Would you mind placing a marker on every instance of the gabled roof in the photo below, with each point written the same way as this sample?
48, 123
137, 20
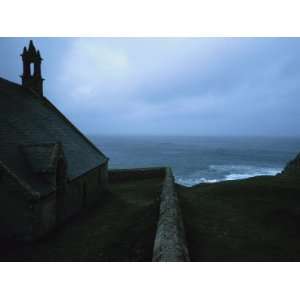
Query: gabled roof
41, 157
19, 183
30, 127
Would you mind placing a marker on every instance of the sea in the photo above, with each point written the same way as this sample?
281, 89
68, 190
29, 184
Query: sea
196, 159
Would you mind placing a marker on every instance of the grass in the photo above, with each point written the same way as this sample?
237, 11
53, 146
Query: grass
256, 219
121, 227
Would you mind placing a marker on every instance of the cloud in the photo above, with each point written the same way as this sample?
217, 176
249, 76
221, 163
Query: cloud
207, 86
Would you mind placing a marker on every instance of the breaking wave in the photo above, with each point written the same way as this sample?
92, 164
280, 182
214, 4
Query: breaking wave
193, 181
217, 173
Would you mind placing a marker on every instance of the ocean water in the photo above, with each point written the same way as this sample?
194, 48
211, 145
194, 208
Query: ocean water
197, 160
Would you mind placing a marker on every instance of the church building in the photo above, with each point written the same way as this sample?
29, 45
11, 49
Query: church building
49, 170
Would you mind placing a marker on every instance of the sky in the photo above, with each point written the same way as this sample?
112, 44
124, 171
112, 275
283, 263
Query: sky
169, 86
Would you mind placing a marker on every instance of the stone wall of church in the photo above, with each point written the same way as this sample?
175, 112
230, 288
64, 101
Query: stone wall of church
44, 216
117, 175
26, 216
15, 208
85, 190
80, 193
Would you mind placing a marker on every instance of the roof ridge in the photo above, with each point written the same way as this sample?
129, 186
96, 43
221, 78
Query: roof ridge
11, 82
54, 154
55, 148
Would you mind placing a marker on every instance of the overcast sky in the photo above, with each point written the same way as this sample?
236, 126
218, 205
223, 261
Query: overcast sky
201, 86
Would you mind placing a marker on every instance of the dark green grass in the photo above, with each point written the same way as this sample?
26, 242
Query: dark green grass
121, 227
243, 220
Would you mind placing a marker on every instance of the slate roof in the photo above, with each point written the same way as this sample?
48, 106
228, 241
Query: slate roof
41, 157
30, 127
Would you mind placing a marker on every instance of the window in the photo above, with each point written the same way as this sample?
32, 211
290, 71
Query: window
60, 188
31, 69
84, 192
61, 176
84, 195
100, 176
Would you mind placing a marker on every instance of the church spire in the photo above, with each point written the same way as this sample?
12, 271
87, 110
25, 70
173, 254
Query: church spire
32, 77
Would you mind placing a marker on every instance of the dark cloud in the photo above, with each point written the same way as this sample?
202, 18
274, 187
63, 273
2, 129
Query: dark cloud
210, 86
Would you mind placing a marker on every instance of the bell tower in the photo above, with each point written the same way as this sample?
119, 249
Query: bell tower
32, 77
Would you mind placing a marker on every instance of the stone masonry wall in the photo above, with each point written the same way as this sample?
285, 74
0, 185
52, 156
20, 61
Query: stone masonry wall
116, 175
170, 243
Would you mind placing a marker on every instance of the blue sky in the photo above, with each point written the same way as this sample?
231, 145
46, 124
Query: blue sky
183, 86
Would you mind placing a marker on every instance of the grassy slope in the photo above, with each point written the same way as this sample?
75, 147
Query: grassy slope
120, 228
252, 219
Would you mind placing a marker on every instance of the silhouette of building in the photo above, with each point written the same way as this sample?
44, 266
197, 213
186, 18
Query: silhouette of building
49, 170
32, 77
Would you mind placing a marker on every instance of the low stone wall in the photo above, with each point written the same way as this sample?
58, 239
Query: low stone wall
170, 243
116, 175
